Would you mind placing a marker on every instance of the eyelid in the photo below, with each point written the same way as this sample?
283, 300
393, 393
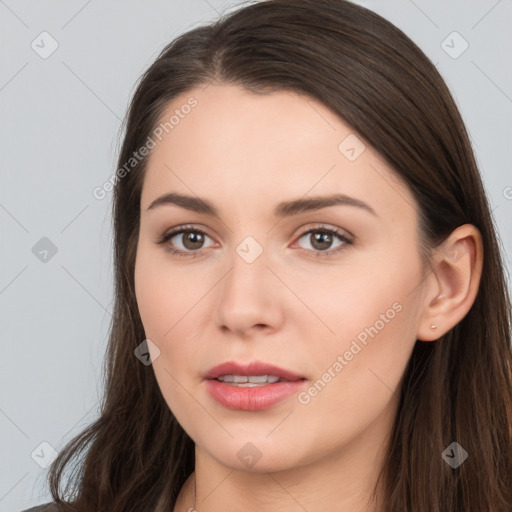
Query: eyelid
327, 227
184, 227
345, 236
164, 239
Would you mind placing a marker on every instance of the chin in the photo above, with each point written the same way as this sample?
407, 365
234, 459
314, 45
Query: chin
256, 453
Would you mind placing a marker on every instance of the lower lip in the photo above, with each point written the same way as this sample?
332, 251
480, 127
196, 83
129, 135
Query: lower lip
255, 398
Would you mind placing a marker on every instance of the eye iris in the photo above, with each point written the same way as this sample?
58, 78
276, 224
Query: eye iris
319, 237
320, 240
196, 239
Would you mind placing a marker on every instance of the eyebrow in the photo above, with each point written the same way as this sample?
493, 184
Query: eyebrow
283, 209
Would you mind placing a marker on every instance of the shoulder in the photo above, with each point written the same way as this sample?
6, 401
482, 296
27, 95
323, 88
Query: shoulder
47, 507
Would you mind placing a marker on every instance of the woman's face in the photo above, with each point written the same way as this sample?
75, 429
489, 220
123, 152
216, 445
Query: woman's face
311, 265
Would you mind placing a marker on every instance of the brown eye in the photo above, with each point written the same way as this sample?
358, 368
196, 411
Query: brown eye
185, 241
321, 241
192, 240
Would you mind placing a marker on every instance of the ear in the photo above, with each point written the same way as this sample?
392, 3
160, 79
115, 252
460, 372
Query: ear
453, 284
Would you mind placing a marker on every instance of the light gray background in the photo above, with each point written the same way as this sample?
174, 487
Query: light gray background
60, 119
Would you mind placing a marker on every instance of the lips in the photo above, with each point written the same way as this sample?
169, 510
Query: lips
252, 369
252, 387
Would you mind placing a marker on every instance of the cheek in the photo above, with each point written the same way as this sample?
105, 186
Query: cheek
357, 374
170, 307
164, 299
164, 295
367, 290
371, 314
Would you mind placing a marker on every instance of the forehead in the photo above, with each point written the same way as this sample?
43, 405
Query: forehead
234, 146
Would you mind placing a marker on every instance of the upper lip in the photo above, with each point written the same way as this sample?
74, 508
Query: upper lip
253, 368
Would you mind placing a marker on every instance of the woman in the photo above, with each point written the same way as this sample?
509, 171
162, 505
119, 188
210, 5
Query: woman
310, 310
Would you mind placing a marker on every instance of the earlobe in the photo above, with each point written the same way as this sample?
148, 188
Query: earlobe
454, 282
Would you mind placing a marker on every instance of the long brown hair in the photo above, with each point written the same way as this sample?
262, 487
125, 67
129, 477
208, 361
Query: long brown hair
457, 388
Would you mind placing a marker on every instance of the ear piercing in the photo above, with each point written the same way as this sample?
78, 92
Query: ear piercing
433, 327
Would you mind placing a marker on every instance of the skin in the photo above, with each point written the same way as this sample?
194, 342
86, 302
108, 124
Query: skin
245, 153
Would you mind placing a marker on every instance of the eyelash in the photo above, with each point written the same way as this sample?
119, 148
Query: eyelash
193, 254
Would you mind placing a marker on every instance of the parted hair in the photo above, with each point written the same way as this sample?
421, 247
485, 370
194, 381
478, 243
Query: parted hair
135, 456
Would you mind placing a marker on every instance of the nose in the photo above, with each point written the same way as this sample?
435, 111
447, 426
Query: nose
250, 298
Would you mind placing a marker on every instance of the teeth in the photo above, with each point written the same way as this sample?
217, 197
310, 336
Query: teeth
258, 379
249, 381
248, 385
